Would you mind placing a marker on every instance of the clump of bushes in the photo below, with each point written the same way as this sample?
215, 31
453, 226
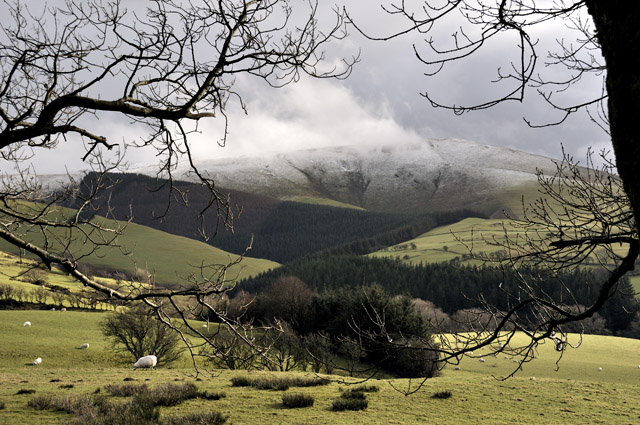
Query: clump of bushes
65, 404
205, 418
442, 394
125, 390
173, 394
350, 400
163, 395
212, 396
25, 391
276, 383
296, 400
359, 395
141, 409
349, 404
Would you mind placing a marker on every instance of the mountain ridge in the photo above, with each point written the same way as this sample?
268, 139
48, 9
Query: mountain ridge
436, 175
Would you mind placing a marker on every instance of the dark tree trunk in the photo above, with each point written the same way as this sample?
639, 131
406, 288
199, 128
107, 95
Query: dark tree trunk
618, 31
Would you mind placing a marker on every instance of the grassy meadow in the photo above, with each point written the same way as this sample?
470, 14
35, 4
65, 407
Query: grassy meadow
576, 393
169, 258
446, 243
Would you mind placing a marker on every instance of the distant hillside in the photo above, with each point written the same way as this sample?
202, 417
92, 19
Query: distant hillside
437, 175
169, 258
282, 231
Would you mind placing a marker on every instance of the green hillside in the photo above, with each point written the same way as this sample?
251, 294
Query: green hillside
167, 257
448, 242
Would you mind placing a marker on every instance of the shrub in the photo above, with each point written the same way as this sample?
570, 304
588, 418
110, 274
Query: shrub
349, 404
141, 409
442, 394
276, 383
353, 393
171, 394
60, 404
2, 405
25, 391
202, 418
307, 382
139, 332
36, 277
297, 400
241, 381
212, 396
6, 292
125, 390
353, 399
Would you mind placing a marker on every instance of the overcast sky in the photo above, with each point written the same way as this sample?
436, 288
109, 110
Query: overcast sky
381, 102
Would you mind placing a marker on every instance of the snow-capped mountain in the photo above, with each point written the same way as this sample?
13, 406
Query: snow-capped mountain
431, 176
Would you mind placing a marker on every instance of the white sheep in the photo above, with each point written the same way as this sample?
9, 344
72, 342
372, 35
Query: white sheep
84, 346
599, 369
37, 361
63, 309
27, 323
205, 326
457, 368
146, 362
481, 360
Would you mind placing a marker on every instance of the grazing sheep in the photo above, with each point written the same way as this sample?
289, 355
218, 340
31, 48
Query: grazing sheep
84, 346
533, 378
27, 323
37, 361
146, 362
457, 367
205, 326
599, 369
481, 360
53, 309
63, 309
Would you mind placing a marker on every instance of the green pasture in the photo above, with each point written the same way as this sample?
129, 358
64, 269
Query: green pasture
458, 240
169, 258
576, 393
13, 269
452, 241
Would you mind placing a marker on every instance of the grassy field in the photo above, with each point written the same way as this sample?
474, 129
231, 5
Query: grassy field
167, 257
576, 393
445, 243
13, 269
456, 240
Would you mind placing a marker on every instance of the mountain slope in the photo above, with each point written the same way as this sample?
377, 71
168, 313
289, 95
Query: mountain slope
169, 258
437, 175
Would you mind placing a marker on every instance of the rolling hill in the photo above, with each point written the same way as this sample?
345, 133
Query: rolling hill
168, 258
